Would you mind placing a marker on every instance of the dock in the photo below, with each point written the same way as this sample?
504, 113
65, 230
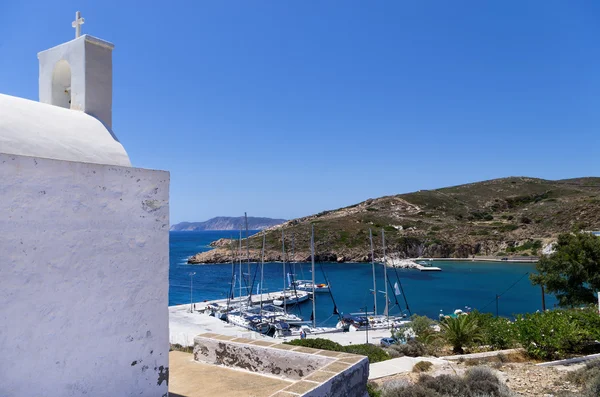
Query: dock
411, 264
185, 325
268, 297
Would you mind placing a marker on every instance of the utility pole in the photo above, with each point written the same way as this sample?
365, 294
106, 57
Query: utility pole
191, 293
374, 282
543, 299
497, 296
367, 317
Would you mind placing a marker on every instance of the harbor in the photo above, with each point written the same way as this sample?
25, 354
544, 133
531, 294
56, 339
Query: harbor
185, 325
246, 298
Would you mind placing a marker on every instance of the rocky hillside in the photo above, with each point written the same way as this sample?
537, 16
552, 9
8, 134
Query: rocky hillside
227, 223
500, 217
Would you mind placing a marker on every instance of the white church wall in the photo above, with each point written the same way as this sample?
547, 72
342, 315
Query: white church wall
83, 279
90, 62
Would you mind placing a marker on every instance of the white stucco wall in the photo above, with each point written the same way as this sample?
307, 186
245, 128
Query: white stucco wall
83, 279
90, 61
35, 129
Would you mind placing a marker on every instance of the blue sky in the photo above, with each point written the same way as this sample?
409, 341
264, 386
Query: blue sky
287, 108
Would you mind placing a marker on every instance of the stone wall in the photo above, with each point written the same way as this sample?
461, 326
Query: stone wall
83, 279
318, 373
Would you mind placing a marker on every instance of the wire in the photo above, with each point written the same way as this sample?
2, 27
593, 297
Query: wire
508, 289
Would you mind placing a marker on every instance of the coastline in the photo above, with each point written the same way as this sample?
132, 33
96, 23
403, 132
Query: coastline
476, 259
499, 259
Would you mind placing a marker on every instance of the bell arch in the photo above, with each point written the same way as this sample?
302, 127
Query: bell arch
61, 84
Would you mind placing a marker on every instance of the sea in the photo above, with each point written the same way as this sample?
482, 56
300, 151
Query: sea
460, 285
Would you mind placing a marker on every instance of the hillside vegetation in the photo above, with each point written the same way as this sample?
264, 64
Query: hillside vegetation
500, 217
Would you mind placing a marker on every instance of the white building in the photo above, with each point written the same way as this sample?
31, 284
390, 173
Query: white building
83, 240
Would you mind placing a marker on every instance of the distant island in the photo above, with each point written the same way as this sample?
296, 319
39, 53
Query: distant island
227, 223
507, 217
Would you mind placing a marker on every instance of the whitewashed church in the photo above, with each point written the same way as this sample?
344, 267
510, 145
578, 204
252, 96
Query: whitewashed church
84, 239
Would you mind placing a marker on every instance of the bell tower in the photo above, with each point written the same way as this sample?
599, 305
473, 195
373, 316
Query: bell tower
77, 75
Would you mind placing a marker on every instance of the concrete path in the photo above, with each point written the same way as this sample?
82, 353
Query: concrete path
184, 326
399, 365
570, 361
355, 338
481, 355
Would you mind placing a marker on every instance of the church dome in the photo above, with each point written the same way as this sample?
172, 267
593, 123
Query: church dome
35, 129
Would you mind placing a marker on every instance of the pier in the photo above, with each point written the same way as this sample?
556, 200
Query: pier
267, 297
184, 326
411, 264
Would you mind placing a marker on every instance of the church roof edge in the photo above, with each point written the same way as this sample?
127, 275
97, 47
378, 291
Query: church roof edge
87, 38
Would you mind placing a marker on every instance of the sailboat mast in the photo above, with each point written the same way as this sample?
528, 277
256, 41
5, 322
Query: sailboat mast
248, 253
240, 259
293, 260
312, 259
262, 272
385, 280
374, 281
283, 262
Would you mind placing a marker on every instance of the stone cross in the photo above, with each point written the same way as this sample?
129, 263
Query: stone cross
77, 24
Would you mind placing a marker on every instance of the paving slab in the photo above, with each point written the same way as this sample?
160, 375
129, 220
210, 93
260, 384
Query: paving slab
189, 378
399, 365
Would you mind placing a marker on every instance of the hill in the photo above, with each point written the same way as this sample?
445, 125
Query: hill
508, 216
227, 223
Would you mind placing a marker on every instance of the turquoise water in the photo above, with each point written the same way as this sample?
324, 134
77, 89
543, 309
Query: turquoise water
459, 284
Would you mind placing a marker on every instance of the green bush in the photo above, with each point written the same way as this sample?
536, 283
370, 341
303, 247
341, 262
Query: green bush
372, 390
412, 348
422, 366
420, 327
552, 334
477, 382
374, 353
317, 343
588, 319
497, 332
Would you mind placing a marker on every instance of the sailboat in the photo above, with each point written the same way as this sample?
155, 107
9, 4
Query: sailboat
289, 294
362, 321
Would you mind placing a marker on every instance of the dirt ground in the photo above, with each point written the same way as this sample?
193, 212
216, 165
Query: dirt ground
520, 374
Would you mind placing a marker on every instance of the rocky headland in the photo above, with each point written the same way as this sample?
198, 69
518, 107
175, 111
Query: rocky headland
506, 217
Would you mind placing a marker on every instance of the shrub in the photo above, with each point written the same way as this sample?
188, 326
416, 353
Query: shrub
412, 348
392, 385
477, 382
445, 384
411, 391
181, 348
374, 353
372, 390
393, 353
317, 343
551, 334
461, 331
584, 375
525, 220
420, 328
497, 332
422, 366
482, 381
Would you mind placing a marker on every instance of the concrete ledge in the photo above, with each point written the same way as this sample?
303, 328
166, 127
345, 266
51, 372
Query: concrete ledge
570, 361
481, 355
313, 372
237, 353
